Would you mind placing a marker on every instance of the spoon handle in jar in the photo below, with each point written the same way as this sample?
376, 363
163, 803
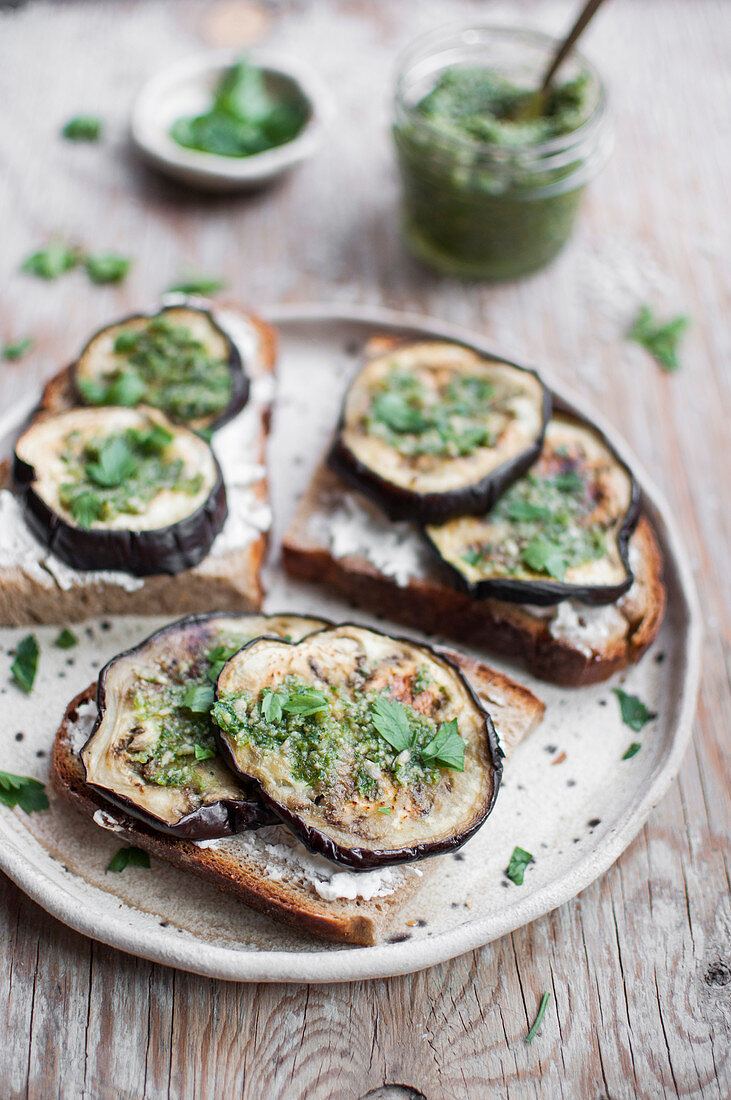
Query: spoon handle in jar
587, 13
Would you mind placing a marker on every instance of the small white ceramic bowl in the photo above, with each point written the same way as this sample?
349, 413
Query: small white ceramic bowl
187, 88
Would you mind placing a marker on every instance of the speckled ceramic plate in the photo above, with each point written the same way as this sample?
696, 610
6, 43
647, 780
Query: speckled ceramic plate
568, 797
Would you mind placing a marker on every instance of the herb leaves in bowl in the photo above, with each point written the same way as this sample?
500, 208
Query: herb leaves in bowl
249, 115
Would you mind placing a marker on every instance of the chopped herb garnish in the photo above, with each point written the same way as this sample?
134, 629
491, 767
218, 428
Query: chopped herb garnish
539, 1018
634, 712
271, 706
51, 262
115, 463
632, 750
66, 639
83, 128
85, 508
107, 268
128, 857
544, 555
518, 863
203, 753
446, 748
305, 702
197, 284
21, 790
384, 809
392, 722
217, 658
660, 338
17, 349
25, 665
198, 698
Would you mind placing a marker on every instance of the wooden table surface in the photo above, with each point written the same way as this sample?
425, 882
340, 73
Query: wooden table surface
639, 964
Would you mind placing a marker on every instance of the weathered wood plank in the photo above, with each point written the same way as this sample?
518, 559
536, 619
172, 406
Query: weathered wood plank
638, 965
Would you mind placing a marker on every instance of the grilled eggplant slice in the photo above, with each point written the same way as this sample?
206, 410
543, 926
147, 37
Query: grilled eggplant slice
121, 489
560, 532
373, 750
153, 751
433, 430
178, 360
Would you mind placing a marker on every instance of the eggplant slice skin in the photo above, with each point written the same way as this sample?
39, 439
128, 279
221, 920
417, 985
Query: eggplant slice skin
343, 788
202, 347
140, 697
561, 532
432, 430
171, 531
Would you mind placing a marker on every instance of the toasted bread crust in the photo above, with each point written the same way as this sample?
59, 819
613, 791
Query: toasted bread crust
225, 582
431, 604
515, 711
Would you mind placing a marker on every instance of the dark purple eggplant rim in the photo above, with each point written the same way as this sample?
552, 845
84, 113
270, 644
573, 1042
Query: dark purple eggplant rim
216, 819
159, 550
405, 504
358, 858
240, 382
550, 592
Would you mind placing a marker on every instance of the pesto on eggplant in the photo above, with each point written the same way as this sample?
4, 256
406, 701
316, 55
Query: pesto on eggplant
120, 489
373, 750
153, 751
178, 360
431, 430
560, 532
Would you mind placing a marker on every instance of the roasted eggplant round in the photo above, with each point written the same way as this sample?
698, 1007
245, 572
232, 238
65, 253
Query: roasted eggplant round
178, 360
373, 750
432, 430
560, 532
120, 489
153, 751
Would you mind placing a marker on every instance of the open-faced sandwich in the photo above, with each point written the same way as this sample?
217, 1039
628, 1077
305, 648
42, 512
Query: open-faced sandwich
140, 482
308, 769
459, 498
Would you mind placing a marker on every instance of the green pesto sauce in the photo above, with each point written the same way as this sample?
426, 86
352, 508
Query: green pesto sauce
447, 420
549, 527
478, 199
185, 736
478, 104
119, 474
337, 742
165, 366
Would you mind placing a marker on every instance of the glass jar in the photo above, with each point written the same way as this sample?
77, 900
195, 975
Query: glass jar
481, 210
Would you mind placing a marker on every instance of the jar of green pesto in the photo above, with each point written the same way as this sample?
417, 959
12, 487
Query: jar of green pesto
491, 188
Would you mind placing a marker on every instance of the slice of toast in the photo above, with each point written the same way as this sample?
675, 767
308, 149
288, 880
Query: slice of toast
269, 870
37, 587
338, 538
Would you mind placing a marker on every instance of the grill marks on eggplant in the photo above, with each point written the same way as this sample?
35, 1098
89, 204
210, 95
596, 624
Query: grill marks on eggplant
431, 430
559, 532
119, 488
304, 722
178, 360
153, 750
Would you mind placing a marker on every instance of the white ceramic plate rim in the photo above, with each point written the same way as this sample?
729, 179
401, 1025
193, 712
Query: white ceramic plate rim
351, 964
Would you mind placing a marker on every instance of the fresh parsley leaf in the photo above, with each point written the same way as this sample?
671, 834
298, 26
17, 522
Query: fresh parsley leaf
384, 809
446, 748
634, 712
661, 339
518, 863
107, 268
66, 639
217, 658
539, 1018
544, 556
632, 750
153, 441
126, 388
472, 555
83, 128
128, 857
196, 284
392, 722
394, 410
114, 464
242, 93
271, 706
51, 262
85, 508
523, 511
568, 482
17, 349
198, 698
21, 790
305, 702
202, 753
25, 665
